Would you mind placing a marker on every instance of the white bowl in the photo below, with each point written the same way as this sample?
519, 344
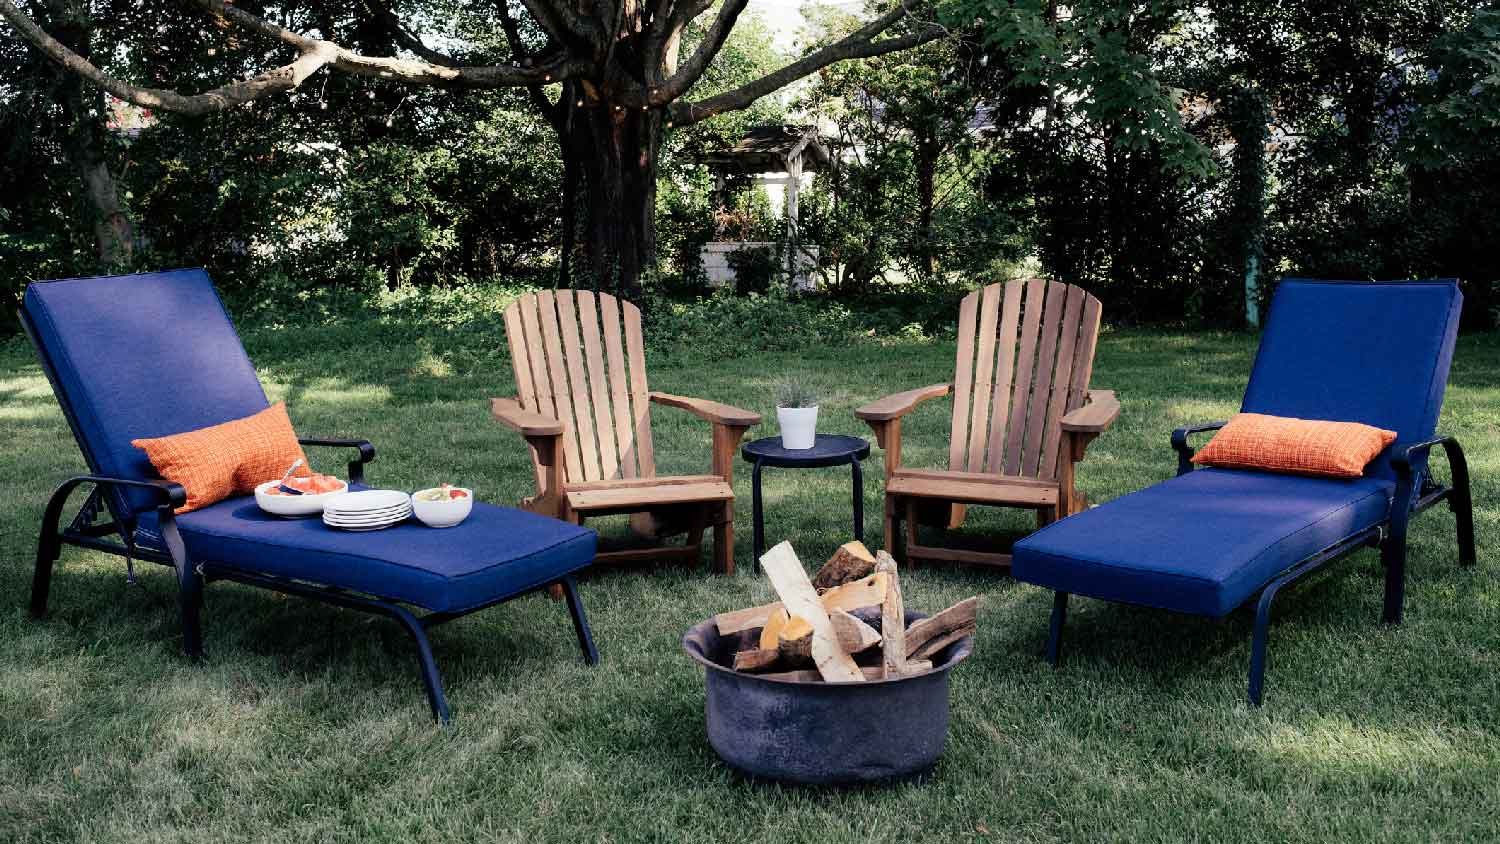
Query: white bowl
444, 513
294, 505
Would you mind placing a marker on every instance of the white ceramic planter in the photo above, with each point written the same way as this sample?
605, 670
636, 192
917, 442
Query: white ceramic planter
799, 426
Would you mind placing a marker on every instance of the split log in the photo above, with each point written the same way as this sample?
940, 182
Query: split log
800, 598
892, 619
855, 595
854, 635
795, 643
770, 635
851, 562
873, 672
934, 647
756, 660
964, 614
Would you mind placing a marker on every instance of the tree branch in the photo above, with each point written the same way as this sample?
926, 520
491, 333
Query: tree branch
713, 40
316, 56
856, 45
405, 37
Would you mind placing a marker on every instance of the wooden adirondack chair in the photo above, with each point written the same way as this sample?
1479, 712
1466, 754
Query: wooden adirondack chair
1023, 415
589, 426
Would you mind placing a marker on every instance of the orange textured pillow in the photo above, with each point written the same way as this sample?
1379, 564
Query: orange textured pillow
227, 459
1295, 446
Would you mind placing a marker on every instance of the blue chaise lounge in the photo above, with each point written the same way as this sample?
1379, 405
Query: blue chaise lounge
156, 354
1210, 539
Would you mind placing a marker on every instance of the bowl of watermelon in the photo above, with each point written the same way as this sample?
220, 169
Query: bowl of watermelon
298, 497
442, 506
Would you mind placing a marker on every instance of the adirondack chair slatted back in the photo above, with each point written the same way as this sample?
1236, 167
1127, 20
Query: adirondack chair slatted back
1025, 354
578, 357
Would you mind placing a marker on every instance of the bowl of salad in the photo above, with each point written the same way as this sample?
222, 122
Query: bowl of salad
442, 506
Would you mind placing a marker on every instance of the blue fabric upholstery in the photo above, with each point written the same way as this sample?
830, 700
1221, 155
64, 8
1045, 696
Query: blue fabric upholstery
141, 356
1201, 543
1371, 352
495, 553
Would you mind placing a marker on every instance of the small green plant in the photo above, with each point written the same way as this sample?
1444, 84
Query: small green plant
793, 392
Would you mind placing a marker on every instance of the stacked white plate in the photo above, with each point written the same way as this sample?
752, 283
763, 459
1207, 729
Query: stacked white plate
370, 509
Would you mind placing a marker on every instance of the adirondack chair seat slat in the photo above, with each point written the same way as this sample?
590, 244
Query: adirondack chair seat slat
496, 551
657, 495
1202, 543
1026, 492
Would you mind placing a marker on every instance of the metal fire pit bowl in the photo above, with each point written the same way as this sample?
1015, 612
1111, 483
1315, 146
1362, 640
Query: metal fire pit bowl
823, 733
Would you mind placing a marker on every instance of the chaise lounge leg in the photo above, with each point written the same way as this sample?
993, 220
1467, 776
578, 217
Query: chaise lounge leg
430, 677
1258, 640
48, 549
580, 621
1461, 502
1393, 554
1059, 617
189, 586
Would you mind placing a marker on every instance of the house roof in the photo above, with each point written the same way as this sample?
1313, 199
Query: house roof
767, 148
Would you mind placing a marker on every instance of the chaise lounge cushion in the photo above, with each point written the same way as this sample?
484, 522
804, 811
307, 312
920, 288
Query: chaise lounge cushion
143, 355
1201, 543
496, 551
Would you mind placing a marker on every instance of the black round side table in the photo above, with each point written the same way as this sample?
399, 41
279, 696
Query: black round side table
827, 450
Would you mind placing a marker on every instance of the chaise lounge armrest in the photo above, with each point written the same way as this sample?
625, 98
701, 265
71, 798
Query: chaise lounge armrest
170, 493
1096, 416
715, 412
1185, 451
357, 465
525, 422
898, 405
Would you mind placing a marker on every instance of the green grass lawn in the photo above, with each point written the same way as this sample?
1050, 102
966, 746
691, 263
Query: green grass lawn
307, 723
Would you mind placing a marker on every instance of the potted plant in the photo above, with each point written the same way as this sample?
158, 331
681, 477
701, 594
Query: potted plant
796, 413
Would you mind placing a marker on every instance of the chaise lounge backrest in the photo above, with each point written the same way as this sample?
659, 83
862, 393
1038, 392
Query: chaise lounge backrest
139, 356
1371, 352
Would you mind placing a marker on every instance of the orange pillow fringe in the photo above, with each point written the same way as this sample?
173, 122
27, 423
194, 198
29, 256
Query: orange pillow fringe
227, 459
1295, 446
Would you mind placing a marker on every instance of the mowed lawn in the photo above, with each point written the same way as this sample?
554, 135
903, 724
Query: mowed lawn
306, 723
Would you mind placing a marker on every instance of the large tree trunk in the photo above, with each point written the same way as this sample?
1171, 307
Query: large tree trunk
84, 109
926, 164
616, 151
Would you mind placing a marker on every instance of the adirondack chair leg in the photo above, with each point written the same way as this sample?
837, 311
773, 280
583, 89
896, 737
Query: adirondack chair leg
724, 540
891, 528
580, 621
1054, 637
913, 536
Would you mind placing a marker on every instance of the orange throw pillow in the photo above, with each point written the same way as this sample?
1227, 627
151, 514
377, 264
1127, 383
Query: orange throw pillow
1295, 446
227, 459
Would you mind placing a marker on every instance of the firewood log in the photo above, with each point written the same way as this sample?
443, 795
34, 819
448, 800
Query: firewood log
855, 595
963, 614
854, 635
851, 561
756, 660
770, 635
873, 672
892, 619
800, 598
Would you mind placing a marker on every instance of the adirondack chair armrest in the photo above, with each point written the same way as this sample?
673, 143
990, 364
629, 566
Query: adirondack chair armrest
898, 405
527, 423
712, 411
1184, 450
357, 465
1096, 416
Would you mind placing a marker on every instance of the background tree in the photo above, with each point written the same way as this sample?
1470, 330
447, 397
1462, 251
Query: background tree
622, 82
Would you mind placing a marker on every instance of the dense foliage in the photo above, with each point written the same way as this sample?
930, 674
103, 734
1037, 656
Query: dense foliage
1176, 158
